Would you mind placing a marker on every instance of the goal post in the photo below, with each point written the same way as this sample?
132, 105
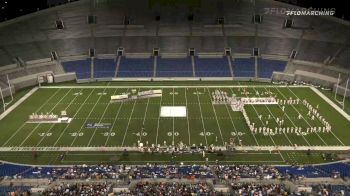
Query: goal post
345, 92
2, 99
8, 92
9, 86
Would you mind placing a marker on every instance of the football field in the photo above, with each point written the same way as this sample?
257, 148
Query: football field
128, 123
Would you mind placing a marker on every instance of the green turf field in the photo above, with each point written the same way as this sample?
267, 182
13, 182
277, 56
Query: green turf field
206, 124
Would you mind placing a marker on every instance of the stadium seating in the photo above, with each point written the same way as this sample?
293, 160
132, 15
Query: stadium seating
245, 171
140, 67
104, 68
212, 67
171, 172
267, 66
340, 190
19, 190
342, 168
172, 188
12, 170
244, 67
82, 68
307, 172
174, 67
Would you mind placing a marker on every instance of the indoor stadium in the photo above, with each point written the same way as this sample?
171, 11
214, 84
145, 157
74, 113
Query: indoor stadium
174, 97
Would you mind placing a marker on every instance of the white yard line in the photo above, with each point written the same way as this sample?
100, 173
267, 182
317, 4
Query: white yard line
269, 135
263, 124
115, 120
173, 142
65, 129
83, 125
144, 118
42, 139
38, 125
200, 109
104, 113
160, 106
301, 116
15, 105
127, 127
188, 123
292, 123
120, 149
330, 102
275, 119
36, 111
216, 117
248, 130
317, 118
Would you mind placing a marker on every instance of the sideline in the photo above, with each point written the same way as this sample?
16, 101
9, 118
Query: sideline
330, 102
15, 105
185, 86
136, 149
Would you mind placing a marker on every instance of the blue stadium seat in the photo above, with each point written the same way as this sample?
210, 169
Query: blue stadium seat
5, 190
267, 66
340, 190
307, 171
82, 68
140, 67
12, 170
342, 168
104, 68
244, 67
212, 67
174, 67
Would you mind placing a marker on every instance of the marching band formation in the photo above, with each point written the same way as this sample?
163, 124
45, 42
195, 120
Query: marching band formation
313, 114
43, 117
220, 97
237, 103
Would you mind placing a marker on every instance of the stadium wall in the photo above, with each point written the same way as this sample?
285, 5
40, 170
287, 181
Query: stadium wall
65, 77
6, 91
280, 76
27, 81
341, 90
315, 78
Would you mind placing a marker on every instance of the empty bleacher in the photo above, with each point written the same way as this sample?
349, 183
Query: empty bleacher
132, 67
82, 68
104, 68
212, 67
174, 67
343, 169
327, 170
307, 171
12, 170
244, 67
267, 66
